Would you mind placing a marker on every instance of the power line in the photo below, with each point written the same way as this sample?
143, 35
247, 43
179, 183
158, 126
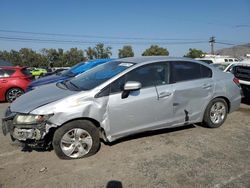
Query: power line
37, 40
98, 36
225, 43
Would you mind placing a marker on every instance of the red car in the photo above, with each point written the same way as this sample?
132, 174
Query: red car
13, 82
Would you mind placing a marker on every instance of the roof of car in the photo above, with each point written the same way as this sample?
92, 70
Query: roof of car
243, 63
143, 59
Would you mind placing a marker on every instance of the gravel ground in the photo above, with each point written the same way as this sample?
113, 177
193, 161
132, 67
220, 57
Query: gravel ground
191, 156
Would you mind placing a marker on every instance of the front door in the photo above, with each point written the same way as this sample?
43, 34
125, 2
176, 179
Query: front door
145, 109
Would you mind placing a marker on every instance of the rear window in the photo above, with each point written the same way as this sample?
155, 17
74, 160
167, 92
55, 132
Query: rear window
6, 73
26, 72
241, 72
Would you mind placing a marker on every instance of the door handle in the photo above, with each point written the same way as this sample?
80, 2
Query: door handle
4, 81
206, 86
164, 94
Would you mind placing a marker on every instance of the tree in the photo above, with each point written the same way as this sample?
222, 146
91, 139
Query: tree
194, 53
102, 52
28, 57
15, 57
99, 51
155, 50
52, 56
90, 53
126, 51
74, 56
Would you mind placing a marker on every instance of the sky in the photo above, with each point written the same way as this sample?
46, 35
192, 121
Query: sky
173, 24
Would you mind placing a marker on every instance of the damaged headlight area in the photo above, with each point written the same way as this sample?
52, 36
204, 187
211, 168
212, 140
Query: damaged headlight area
26, 126
24, 134
30, 119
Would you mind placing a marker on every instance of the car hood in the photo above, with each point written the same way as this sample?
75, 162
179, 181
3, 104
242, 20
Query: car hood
47, 79
39, 97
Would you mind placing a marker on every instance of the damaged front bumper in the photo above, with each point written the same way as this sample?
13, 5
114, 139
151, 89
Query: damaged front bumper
32, 134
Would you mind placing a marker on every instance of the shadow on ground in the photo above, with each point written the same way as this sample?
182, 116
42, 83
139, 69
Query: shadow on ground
114, 184
151, 133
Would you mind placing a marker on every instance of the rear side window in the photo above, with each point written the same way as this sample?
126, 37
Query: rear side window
185, 71
241, 72
6, 73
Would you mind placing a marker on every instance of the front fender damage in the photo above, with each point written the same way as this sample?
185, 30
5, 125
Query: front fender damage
91, 108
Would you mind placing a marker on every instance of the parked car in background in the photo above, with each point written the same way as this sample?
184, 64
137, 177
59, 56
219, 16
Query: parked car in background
13, 82
208, 58
37, 72
73, 71
221, 66
121, 98
241, 70
55, 71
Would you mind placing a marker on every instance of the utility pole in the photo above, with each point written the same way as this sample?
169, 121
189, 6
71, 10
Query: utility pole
211, 42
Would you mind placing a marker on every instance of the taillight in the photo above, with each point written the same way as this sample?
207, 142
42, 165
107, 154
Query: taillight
236, 81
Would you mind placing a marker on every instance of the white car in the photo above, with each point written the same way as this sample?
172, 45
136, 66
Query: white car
241, 70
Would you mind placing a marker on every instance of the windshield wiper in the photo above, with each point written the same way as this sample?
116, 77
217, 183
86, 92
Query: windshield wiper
62, 85
78, 88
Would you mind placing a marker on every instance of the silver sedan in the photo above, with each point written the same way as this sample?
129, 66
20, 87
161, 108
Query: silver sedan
120, 98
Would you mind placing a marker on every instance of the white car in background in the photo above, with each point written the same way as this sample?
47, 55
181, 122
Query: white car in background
217, 59
241, 70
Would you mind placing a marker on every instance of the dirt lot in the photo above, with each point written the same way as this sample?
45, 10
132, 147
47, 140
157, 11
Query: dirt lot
193, 156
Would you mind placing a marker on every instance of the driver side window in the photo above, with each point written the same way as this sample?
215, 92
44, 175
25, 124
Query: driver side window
148, 75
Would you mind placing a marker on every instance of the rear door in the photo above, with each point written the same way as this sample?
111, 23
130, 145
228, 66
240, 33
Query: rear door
193, 88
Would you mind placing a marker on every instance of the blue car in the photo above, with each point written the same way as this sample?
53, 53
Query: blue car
72, 72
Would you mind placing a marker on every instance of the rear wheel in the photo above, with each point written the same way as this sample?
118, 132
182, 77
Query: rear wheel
216, 113
13, 93
76, 139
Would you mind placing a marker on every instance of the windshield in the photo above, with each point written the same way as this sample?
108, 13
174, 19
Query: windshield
73, 70
98, 75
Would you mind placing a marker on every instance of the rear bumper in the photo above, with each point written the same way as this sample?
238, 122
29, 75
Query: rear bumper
235, 103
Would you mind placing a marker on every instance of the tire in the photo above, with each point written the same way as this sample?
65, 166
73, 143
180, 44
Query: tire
216, 113
76, 139
13, 93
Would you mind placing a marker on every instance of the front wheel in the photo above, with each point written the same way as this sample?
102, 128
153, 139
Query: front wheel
216, 113
76, 139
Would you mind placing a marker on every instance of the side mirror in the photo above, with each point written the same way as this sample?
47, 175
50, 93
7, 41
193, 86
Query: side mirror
132, 86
